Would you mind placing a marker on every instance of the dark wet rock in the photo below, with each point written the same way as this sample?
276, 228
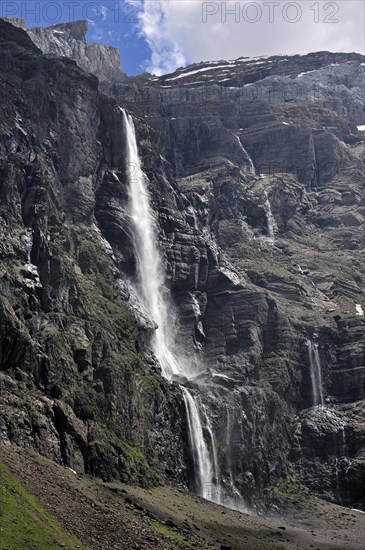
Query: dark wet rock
329, 452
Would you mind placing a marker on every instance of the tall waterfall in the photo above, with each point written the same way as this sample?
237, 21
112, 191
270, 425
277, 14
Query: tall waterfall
315, 373
150, 292
149, 265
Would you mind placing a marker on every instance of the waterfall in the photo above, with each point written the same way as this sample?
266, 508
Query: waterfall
346, 463
315, 373
215, 486
270, 220
343, 441
205, 468
150, 292
248, 159
149, 265
235, 501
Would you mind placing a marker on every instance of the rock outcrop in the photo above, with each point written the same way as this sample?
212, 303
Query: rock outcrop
259, 194
69, 40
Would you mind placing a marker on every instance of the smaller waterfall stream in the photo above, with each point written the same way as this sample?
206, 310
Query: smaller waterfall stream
270, 220
248, 159
216, 486
315, 373
342, 466
235, 499
205, 468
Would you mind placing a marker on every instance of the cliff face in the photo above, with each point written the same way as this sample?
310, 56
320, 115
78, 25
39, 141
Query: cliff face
75, 380
239, 137
256, 171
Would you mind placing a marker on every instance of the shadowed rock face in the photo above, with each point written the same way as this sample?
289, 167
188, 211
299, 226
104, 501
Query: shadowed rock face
72, 332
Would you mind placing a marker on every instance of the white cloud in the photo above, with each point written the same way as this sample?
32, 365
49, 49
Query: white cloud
184, 31
157, 22
95, 13
103, 12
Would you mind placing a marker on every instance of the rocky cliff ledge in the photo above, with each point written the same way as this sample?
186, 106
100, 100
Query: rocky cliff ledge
69, 40
258, 189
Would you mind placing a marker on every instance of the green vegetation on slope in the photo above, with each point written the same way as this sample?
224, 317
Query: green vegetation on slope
172, 534
24, 524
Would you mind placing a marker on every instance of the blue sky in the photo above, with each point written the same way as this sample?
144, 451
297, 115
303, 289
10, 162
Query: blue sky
110, 22
162, 35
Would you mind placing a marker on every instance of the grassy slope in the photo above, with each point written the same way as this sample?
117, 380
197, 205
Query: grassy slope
115, 516
24, 524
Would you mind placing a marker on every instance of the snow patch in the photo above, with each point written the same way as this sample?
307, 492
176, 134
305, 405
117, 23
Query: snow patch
195, 82
250, 59
361, 128
359, 310
189, 73
306, 72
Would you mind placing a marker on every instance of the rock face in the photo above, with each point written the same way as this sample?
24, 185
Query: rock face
259, 194
69, 40
76, 381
